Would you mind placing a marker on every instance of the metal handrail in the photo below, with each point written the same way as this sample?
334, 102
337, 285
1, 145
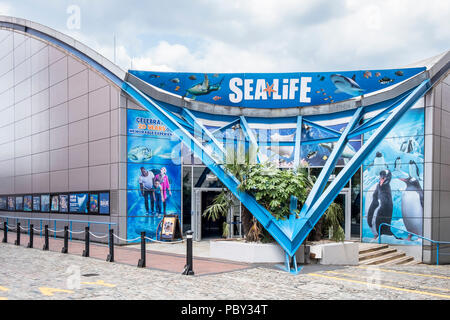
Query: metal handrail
63, 220
412, 233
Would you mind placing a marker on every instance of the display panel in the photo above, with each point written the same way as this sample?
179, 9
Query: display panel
11, 204
45, 203
54, 203
63, 203
78, 202
3, 203
36, 203
28, 203
93, 203
19, 203
104, 203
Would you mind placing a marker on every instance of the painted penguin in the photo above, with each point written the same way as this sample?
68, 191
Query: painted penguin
379, 162
413, 170
397, 164
409, 146
412, 206
380, 210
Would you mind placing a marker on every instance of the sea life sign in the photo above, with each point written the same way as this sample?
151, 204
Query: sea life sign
275, 90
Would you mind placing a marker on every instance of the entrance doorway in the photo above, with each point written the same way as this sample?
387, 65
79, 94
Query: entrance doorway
205, 228
210, 229
351, 222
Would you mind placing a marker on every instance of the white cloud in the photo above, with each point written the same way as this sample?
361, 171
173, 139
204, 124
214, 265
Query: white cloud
256, 35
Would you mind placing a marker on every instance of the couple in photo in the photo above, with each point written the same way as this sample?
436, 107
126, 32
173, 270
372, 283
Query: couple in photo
156, 188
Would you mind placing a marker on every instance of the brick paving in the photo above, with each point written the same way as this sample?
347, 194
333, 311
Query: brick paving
36, 274
154, 260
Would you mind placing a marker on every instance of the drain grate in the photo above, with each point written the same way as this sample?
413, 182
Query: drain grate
90, 275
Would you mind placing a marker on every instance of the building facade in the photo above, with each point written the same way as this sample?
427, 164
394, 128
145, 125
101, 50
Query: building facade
82, 141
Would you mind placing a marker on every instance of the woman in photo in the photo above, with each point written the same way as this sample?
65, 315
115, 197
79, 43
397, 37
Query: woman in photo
165, 186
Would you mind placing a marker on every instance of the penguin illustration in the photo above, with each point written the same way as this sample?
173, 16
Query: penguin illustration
379, 161
414, 170
380, 210
397, 164
409, 146
412, 206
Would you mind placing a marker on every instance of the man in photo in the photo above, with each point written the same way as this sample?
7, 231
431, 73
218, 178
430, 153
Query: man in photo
146, 188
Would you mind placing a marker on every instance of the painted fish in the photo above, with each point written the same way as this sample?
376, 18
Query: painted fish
377, 74
193, 77
311, 155
367, 74
215, 98
399, 73
175, 80
154, 76
347, 154
346, 85
325, 158
386, 80
140, 154
177, 88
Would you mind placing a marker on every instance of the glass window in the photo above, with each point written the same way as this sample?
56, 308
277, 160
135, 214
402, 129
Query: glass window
93, 203
45, 203
11, 204
54, 203
63, 203
19, 203
28, 203
104, 203
36, 203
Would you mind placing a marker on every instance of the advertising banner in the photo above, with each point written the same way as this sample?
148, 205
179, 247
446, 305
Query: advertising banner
393, 183
275, 90
78, 203
153, 173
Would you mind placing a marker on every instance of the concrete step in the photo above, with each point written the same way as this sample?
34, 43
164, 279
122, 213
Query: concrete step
376, 253
398, 261
384, 258
366, 248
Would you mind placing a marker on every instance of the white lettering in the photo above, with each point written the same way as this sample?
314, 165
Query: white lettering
276, 94
304, 89
293, 88
248, 89
236, 96
259, 90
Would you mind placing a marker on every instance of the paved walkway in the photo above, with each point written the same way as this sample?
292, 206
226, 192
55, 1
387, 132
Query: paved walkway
35, 274
158, 260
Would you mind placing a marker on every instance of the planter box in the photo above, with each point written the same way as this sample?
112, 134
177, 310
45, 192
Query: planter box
248, 252
341, 253
346, 253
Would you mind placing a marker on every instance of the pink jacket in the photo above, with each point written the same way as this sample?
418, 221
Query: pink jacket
164, 184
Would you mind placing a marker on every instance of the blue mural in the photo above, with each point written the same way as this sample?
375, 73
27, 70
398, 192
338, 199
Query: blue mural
153, 173
275, 90
393, 183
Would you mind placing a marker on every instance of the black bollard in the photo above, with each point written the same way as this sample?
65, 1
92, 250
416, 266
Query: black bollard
110, 257
188, 268
46, 246
30, 243
65, 249
141, 262
86, 242
17, 242
5, 232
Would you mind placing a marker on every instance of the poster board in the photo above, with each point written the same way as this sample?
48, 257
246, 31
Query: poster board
170, 228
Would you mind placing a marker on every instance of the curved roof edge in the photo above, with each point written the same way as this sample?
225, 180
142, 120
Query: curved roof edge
66, 42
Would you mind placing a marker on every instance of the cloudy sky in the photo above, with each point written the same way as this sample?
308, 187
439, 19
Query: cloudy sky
249, 35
